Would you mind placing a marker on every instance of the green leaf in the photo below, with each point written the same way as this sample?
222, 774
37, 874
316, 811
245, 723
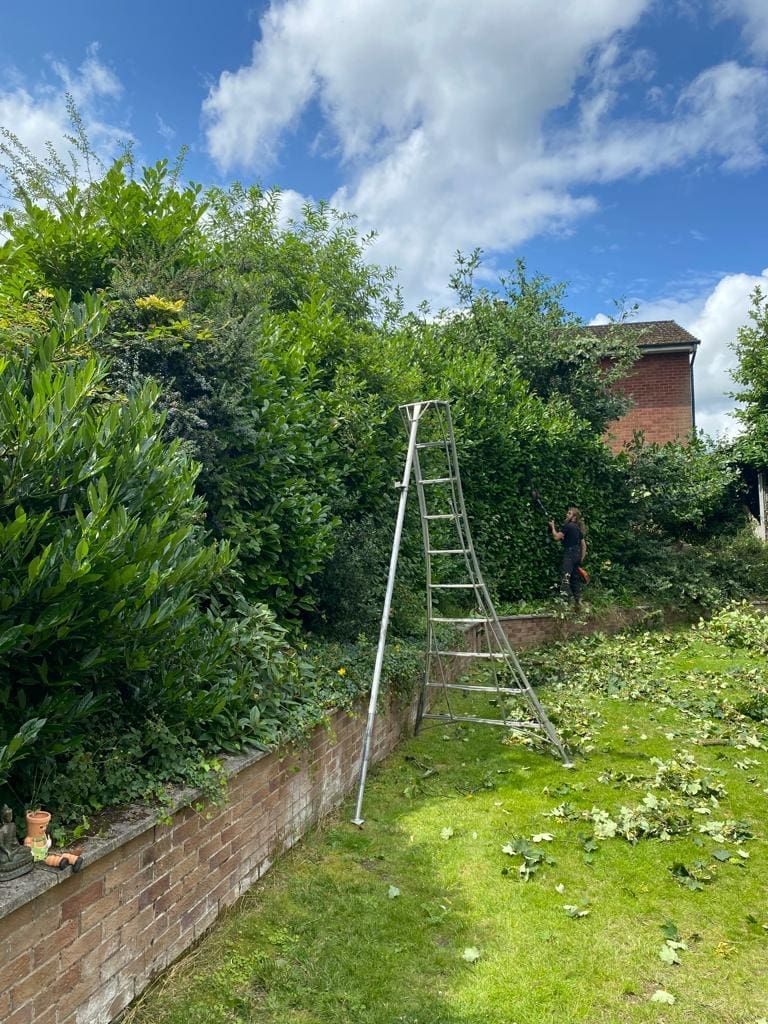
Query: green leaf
668, 954
393, 892
471, 954
660, 996
574, 911
446, 833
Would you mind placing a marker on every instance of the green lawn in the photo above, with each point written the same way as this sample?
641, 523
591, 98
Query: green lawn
423, 918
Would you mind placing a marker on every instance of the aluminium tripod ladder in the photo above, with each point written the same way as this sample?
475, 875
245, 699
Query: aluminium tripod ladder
452, 567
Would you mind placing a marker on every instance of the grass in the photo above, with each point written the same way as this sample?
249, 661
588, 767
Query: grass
374, 926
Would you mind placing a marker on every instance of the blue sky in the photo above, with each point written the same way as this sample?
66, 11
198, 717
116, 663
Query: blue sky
620, 145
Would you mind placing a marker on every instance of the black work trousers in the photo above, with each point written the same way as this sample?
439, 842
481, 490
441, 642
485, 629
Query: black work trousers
570, 577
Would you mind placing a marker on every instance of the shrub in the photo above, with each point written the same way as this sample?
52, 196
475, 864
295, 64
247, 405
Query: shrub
354, 580
739, 625
102, 550
683, 491
69, 235
709, 575
241, 397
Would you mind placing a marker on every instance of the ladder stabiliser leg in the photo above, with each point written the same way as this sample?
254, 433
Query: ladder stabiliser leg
375, 683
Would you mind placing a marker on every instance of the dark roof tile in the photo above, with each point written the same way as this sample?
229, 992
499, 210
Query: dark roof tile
648, 332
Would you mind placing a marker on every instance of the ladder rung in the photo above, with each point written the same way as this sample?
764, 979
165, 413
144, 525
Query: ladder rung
467, 622
431, 444
455, 586
470, 654
444, 515
485, 721
439, 480
448, 551
473, 689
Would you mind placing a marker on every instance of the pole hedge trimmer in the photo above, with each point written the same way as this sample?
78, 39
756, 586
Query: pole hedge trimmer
539, 504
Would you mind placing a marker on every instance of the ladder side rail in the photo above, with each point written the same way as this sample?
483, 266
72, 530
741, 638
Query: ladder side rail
461, 509
458, 515
473, 564
528, 692
435, 658
457, 498
458, 507
376, 681
485, 597
443, 445
425, 536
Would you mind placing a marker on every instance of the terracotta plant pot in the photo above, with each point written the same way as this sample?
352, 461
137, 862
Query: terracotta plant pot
37, 824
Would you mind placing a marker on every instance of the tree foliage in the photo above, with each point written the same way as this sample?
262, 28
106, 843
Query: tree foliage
752, 374
529, 327
685, 492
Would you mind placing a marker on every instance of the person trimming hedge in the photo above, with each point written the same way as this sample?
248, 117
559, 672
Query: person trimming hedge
573, 535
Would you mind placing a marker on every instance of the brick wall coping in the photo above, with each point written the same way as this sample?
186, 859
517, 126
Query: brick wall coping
134, 821
639, 609
526, 615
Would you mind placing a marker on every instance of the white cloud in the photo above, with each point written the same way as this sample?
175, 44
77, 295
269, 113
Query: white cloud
714, 316
456, 127
164, 130
37, 112
754, 13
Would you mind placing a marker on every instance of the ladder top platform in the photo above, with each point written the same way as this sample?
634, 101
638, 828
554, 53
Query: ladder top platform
433, 403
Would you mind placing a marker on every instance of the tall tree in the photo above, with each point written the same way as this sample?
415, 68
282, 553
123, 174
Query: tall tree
530, 328
751, 347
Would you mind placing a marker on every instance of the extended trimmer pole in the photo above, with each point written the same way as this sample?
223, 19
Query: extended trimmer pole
416, 412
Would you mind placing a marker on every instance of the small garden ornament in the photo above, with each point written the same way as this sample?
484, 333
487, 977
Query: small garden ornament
60, 861
37, 834
39, 842
15, 859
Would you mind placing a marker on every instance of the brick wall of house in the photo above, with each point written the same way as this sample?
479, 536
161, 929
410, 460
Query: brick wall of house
77, 949
660, 386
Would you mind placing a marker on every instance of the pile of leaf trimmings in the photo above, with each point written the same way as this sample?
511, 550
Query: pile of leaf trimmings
693, 798
576, 724
534, 856
692, 795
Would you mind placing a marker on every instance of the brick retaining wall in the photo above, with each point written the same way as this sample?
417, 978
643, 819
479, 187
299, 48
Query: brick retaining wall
76, 949
524, 631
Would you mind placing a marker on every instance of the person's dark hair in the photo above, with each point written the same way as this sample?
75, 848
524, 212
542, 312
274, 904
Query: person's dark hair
577, 519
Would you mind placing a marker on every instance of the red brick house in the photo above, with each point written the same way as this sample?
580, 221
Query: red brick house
660, 383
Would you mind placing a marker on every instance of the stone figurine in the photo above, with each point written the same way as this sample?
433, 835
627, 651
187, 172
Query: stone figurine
15, 859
